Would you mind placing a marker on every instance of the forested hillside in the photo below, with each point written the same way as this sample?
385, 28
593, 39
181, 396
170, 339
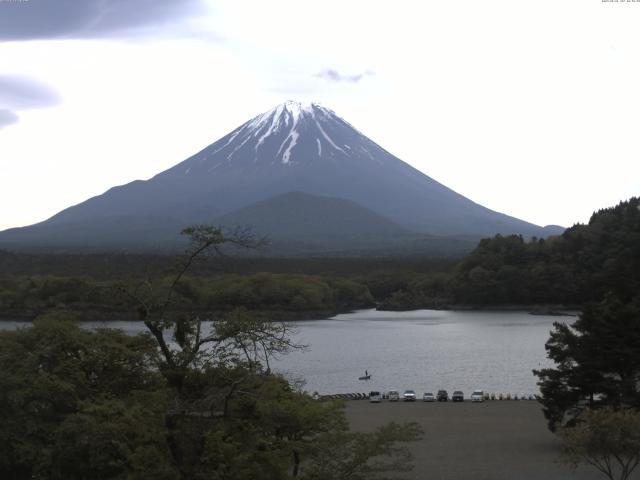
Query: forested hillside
275, 295
580, 265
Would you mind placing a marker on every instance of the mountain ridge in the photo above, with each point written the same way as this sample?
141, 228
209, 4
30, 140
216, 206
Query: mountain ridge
292, 147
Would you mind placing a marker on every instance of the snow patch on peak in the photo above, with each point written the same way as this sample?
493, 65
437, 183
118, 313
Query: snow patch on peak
294, 139
273, 127
293, 135
262, 120
327, 138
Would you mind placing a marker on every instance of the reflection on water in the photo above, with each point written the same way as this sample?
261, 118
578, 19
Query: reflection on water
424, 350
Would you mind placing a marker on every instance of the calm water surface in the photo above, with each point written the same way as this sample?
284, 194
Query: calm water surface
424, 350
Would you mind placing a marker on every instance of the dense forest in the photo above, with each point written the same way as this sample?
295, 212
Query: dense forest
566, 270
92, 285
276, 294
578, 266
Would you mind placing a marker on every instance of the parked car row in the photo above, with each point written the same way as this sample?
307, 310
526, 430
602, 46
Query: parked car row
443, 396
410, 396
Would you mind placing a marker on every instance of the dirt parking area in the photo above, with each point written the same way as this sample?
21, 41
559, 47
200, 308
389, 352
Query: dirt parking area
492, 440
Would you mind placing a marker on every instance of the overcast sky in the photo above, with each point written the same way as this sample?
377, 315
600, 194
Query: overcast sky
531, 108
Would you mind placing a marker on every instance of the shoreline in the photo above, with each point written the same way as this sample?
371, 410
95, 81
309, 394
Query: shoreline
129, 316
287, 316
535, 309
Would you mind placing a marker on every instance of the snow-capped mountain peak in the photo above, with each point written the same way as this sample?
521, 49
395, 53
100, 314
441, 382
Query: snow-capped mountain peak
276, 137
286, 114
294, 147
297, 109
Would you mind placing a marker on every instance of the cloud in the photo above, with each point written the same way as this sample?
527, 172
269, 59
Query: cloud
22, 93
46, 19
7, 117
18, 92
335, 76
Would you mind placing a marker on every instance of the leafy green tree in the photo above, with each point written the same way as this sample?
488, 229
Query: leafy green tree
113, 438
74, 401
606, 439
344, 455
154, 302
229, 416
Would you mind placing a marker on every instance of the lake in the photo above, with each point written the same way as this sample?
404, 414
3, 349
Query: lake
425, 350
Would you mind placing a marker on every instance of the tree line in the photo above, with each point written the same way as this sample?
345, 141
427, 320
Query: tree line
287, 295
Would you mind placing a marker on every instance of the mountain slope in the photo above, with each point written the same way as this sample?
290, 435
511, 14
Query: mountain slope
294, 147
315, 220
138, 233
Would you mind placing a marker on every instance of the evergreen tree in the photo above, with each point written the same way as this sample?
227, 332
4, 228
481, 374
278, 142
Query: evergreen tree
597, 361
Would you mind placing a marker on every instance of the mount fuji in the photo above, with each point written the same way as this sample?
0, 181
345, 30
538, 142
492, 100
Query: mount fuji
296, 172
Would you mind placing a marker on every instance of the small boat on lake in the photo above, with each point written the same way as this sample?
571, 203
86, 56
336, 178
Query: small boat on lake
366, 376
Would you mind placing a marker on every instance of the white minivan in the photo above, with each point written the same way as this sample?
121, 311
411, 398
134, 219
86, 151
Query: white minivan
394, 395
477, 396
375, 397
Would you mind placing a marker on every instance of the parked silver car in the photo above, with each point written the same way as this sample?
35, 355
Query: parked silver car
409, 396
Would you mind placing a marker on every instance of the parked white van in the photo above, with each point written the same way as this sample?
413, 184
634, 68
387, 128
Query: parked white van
375, 397
394, 395
477, 396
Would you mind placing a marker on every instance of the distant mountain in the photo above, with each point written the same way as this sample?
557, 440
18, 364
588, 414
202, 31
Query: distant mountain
301, 216
292, 148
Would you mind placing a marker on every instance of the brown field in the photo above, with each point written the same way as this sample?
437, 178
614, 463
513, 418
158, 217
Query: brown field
493, 440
